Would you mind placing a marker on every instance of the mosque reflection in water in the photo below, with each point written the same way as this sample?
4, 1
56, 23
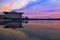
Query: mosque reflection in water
14, 26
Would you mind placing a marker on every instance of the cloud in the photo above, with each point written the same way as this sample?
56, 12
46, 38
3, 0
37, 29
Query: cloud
51, 10
8, 5
53, 0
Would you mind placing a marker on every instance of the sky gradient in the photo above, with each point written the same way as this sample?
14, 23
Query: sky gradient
33, 8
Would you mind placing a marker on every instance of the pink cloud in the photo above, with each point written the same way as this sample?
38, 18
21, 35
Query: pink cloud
43, 15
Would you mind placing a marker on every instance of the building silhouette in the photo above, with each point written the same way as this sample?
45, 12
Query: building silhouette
11, 19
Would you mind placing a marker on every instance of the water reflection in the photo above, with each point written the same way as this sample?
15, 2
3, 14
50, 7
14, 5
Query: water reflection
14, 26
10, 34
33, 30
43, 30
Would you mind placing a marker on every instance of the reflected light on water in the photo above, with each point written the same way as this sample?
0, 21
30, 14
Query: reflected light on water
34, 30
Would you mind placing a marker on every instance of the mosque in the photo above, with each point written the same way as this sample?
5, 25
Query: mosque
11, 19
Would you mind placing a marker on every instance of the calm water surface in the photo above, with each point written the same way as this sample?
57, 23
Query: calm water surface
34, 30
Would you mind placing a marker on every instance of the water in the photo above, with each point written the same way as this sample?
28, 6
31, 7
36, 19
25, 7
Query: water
33, 30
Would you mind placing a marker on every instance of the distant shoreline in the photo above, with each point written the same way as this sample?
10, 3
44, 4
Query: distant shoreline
30, 19
41, 19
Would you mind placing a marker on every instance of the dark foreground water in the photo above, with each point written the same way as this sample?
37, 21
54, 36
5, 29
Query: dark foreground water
34, 30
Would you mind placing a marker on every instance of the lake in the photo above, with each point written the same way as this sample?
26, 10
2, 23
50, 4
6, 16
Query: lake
33, 30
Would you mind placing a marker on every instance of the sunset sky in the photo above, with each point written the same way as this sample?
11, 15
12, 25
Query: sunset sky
33, 8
